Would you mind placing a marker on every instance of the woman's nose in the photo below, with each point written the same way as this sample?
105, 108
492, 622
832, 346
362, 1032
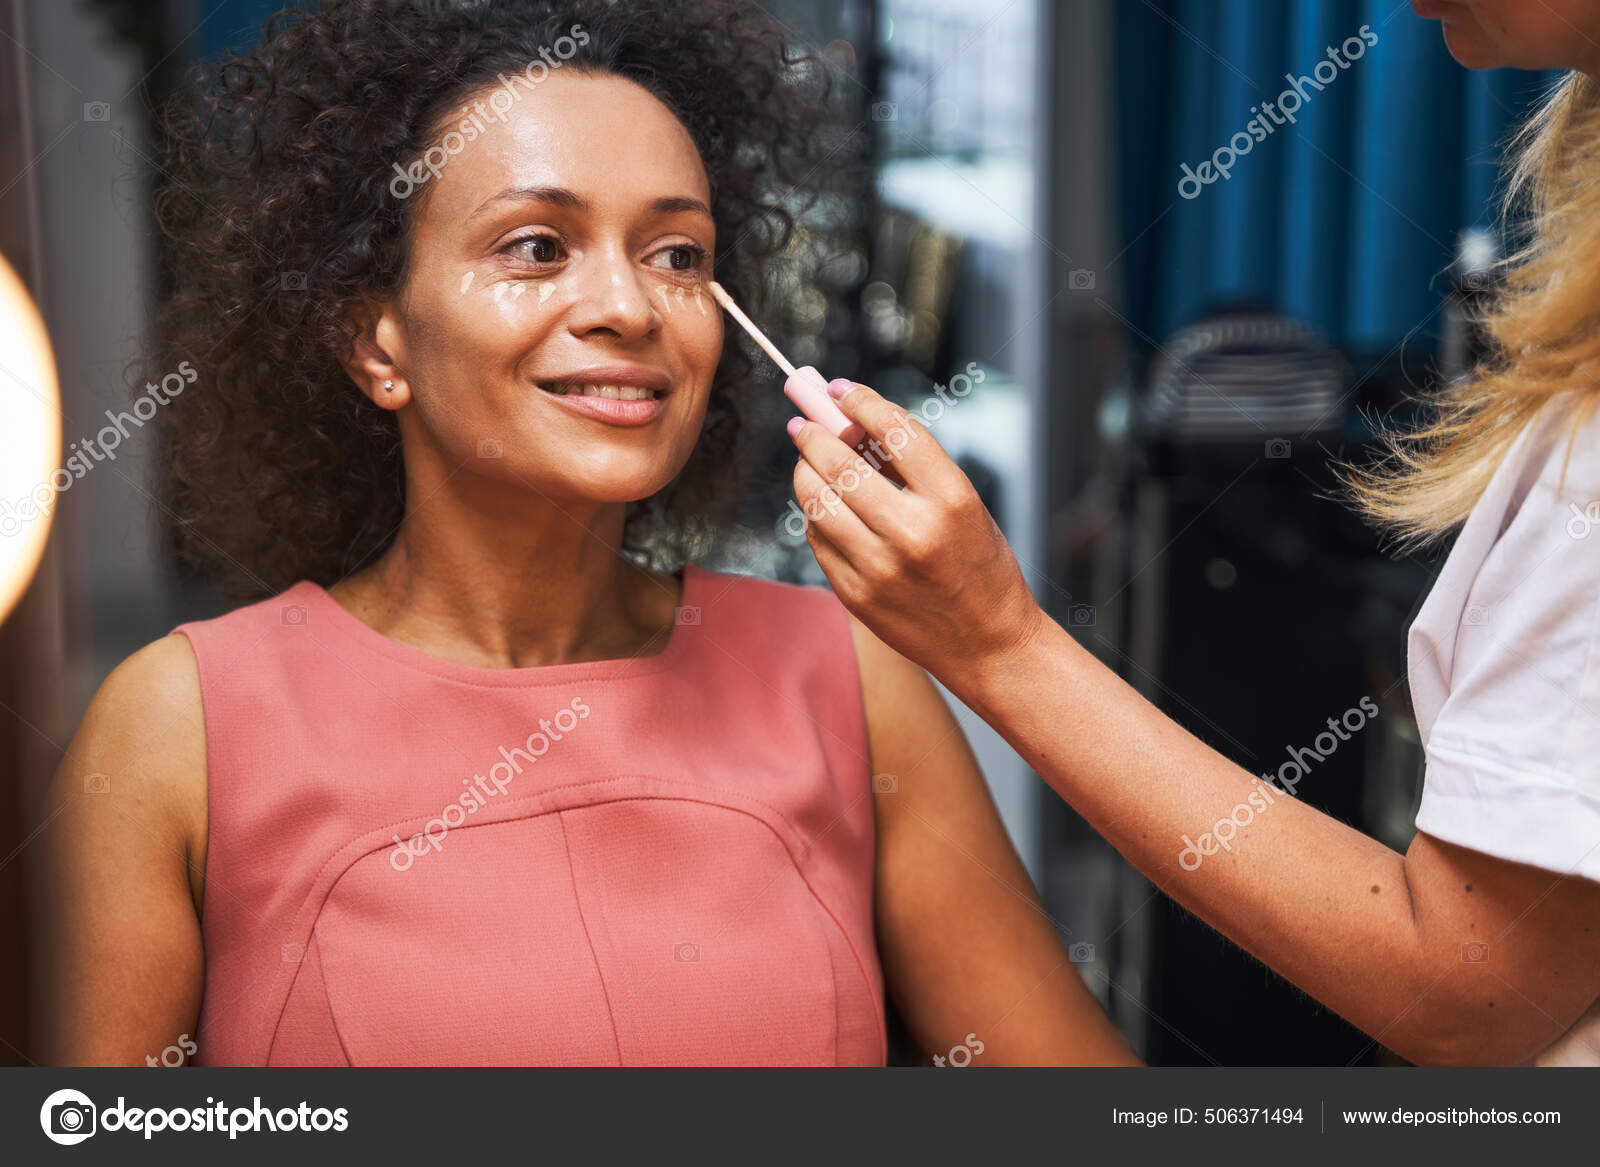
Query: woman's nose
613, 296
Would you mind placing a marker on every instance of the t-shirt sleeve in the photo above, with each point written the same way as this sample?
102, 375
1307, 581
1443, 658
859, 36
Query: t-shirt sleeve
1513, 753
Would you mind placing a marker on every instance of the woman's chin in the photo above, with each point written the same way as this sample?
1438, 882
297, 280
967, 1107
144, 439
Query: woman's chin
605, 488
1470, 48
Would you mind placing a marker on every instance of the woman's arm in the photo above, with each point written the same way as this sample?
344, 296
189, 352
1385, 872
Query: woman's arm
967, 949
123, 861
1443, 954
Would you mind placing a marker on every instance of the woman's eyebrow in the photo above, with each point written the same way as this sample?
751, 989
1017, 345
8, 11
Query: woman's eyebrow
560, 196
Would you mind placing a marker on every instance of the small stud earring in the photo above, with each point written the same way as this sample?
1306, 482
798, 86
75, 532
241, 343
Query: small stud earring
388, 386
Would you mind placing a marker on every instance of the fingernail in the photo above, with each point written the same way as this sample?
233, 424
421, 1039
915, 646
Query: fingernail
839, 386
794, 425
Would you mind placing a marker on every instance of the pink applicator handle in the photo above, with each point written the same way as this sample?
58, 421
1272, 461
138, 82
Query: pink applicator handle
808, 389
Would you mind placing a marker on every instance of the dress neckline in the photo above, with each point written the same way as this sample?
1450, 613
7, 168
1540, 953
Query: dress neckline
325, 616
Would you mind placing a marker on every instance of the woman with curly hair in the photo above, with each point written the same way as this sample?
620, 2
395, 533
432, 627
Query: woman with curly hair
478, 777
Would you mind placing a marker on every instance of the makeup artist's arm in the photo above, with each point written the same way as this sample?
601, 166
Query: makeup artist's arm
1375, 935
122, 967
966, 948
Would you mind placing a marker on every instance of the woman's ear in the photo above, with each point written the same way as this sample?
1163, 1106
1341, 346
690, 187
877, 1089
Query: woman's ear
369, 360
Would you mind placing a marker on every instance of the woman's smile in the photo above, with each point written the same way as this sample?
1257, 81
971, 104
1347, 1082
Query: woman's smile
621, 395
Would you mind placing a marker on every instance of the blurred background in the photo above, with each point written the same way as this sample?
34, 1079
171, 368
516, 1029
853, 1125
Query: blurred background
1155, 346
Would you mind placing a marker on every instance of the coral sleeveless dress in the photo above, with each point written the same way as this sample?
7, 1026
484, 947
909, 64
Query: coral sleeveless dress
663, 860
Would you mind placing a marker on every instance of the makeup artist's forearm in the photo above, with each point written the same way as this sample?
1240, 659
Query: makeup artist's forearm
1380, 938
1297, 889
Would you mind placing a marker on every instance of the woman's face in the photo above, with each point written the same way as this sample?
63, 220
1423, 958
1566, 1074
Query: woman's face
556, 331
1519, 34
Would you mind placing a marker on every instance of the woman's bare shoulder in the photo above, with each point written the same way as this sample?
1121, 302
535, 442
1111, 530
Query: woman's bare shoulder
141, 747
148, 710
124, 854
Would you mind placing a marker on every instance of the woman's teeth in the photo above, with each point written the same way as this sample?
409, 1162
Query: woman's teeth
614, 392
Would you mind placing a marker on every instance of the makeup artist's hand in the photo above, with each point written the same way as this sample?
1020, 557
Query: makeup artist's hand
924, 567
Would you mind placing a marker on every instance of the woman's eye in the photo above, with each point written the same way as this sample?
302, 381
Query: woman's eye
681, 257
537, 248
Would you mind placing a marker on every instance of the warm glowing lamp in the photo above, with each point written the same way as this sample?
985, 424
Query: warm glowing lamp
30, 437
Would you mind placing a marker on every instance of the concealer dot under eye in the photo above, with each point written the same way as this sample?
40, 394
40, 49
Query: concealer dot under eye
513, 290
675, 297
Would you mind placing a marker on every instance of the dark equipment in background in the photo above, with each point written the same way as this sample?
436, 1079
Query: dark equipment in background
1257, 630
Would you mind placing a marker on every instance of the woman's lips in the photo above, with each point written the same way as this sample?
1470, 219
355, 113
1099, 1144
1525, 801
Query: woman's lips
610, 410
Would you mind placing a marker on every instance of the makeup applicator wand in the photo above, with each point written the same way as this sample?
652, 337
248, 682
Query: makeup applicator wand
806, 387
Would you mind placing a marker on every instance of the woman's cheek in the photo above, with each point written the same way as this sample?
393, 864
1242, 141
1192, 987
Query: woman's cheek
674, 301
513, 302
691, 317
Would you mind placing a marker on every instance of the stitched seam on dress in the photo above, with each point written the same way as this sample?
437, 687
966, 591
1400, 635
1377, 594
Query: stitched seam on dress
331, 860
327, 1001
313, 955
577, 899
833, 975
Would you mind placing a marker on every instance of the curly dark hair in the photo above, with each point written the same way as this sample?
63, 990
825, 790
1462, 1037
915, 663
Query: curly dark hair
278, 214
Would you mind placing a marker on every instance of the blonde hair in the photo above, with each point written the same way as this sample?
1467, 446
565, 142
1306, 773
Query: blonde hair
1543, 325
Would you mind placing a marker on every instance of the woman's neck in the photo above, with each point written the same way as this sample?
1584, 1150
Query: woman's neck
537, 583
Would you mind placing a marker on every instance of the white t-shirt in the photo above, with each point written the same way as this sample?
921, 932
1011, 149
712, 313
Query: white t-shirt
1505, 671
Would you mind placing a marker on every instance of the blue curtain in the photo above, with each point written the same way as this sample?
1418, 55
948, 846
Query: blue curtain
1345, 219
232, 27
